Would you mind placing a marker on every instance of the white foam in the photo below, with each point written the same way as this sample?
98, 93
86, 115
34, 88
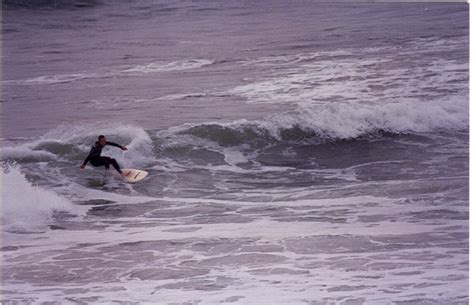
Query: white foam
26, 207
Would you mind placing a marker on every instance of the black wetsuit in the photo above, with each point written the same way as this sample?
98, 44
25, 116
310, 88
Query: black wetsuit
97, 160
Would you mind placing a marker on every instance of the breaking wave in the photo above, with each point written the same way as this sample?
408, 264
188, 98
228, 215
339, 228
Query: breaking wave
27, 207
339, 122
72, 143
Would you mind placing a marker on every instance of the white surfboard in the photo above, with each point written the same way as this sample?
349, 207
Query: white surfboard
134, 175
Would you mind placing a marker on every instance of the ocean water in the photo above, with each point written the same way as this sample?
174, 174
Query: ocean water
298, 153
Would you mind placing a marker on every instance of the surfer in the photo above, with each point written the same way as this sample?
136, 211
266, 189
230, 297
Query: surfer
98, 160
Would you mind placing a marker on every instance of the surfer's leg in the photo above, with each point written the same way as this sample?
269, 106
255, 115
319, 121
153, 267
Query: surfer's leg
115, 164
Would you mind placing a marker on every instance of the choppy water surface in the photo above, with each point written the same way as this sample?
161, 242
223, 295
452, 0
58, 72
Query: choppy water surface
308, 153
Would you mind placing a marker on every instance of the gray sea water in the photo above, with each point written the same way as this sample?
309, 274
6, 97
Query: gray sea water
298, 152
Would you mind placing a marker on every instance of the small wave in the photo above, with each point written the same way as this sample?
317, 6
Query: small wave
51, 79
54, 79
183, 96
154, 67
294, 58
170, 66
28, 208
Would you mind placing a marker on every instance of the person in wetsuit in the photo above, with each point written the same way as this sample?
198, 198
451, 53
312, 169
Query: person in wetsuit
98, 160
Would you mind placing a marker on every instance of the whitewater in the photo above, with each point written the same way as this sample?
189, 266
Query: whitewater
298, 153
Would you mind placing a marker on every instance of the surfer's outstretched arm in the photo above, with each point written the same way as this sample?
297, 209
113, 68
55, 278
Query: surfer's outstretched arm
116, 145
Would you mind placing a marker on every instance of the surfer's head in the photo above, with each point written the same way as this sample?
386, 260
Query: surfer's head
102, 140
